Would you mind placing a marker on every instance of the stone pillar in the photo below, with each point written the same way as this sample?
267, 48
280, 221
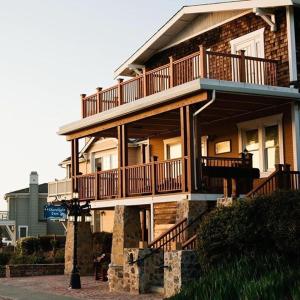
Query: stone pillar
180, 268
85, 246
126, 232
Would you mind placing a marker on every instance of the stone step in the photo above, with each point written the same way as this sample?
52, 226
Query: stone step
156, 289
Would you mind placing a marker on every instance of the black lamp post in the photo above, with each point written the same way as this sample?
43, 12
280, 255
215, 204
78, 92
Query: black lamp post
76, 212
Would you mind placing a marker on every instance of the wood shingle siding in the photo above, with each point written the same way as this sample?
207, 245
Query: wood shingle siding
218, 39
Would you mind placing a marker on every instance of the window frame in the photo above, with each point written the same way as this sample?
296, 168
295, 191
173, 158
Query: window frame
19, 230
260, 124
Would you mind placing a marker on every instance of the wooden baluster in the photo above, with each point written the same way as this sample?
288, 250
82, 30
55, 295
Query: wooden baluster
171, 71
242, 66
120, 91
99, 99
83, 106
203, 62
144, 86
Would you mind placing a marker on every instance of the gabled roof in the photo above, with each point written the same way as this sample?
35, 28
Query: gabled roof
183, 17
82, 151
43, 188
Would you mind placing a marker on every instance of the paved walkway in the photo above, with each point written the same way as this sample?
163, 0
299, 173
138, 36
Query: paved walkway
56, 288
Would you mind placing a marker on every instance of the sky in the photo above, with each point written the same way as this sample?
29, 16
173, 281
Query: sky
51, 51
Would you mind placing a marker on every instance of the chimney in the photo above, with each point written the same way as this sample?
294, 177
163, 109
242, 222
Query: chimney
34, 178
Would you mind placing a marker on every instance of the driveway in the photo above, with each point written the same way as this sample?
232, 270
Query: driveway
56, 288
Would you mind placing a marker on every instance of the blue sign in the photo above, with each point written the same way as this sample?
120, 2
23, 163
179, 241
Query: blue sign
55, 212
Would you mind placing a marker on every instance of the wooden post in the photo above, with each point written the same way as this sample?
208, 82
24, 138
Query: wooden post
83, 110
183, 146
190, 151
234, 192
74, 164
96, 187
120, 161
202, 62
120, 94
153, 175
144, 83
124, 158
171, 72
242, 66
99, 99
286, 176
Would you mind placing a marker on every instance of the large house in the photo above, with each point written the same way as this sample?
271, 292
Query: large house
25, 216
213, 98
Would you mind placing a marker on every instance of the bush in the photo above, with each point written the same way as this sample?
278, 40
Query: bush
102, 242
4, 258
264, 277
27, 246
59, 256
47, 242
261, 225
26, 259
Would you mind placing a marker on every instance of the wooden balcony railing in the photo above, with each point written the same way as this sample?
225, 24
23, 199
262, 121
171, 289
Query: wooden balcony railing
201, 64
226, 162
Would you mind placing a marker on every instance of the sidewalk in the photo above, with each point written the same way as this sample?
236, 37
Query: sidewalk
56, 288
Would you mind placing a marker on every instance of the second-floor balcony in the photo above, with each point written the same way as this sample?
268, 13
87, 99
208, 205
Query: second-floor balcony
201, 64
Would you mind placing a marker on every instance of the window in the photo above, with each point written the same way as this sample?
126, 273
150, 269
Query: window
23, 231
263, 139
174, 151
106, 162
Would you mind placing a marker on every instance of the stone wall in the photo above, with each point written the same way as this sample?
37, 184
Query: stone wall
218, 39
181, 267
34, 270
84, 249
297, 34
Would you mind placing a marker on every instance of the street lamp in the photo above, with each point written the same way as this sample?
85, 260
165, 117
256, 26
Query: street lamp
76, 212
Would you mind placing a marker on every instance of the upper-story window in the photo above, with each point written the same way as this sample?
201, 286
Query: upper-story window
106, 162
263, 138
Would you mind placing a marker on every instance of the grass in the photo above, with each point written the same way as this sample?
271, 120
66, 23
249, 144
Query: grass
256, 278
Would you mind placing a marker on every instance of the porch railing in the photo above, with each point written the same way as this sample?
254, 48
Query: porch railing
282, 178
201, 64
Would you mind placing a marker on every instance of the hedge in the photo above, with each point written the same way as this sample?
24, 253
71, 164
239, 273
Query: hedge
252, 226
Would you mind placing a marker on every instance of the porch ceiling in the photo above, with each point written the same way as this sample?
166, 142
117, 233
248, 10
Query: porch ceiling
228, 106
234, 106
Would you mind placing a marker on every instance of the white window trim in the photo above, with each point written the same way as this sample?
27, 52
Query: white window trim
168, 142
257, 35
260, 124
19, 229
98, 154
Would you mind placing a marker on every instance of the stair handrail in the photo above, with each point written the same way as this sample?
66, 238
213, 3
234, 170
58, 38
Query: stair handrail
188, 245
254, 192
159, 242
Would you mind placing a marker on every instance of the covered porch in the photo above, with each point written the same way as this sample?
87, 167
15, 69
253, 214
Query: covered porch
196, 148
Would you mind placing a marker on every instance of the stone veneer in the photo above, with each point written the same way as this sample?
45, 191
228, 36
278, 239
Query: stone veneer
126, 232
84, 249
181, 267
137, 278
34, 270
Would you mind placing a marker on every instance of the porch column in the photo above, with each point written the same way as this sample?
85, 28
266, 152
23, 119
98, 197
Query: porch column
124, 157
183, 135
120, 161
191, 171
74, 164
